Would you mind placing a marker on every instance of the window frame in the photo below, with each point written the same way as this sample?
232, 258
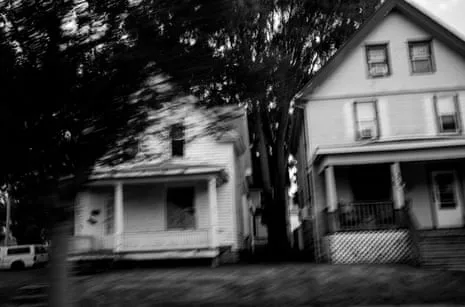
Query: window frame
436, 200
429, 43
356, 120
21, 249
385, 46
439, 128
194, 207
182, 140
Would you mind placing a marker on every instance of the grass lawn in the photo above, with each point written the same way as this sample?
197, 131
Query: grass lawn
273, 285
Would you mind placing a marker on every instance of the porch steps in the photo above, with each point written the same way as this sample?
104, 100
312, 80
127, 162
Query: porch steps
442, 249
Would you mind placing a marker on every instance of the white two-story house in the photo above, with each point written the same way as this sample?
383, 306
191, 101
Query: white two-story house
184, 195
379, 136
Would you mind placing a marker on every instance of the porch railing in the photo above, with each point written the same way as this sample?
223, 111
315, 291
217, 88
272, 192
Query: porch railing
165, 240
364, 216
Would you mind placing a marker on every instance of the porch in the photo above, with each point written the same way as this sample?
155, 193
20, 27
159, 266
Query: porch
364, 198
149, 217
378, 197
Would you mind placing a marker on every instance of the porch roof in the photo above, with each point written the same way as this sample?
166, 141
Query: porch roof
164, 169
388, 151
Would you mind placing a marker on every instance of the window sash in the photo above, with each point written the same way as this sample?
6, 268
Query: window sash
377, 60
447, 114
366, 117
177, 135
421, 57
445, 190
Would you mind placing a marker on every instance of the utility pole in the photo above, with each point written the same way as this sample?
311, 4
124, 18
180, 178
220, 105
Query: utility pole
8, 217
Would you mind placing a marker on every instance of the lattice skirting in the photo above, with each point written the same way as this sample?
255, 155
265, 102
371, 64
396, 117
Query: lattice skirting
384, 246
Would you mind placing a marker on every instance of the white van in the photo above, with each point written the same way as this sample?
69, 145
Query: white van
23, 256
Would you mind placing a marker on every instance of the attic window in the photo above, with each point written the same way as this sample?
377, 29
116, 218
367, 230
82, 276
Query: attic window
177, 140
377, 60
421, 59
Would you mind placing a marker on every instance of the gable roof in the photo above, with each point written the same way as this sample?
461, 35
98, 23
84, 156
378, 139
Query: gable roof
427, 23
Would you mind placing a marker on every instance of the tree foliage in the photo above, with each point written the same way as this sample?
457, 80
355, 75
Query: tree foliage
79, 76
262, 56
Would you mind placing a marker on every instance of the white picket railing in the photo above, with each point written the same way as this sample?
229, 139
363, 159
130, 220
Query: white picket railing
165, 240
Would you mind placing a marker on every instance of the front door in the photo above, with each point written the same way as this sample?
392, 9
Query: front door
446, 198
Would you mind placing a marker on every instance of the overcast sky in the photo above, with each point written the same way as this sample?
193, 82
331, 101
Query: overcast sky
449, 12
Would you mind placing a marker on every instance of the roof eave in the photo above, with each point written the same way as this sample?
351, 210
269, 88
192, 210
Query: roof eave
437, 30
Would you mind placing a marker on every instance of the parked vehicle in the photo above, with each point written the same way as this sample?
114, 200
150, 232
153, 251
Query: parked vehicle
23, 256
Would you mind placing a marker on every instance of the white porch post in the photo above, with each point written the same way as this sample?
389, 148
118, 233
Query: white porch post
119, 219
212, 200
331, 192
331, 199
397, 186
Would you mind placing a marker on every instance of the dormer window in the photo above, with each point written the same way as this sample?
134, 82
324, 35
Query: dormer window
378, 60
447, 114
366, 120
421, 59
177, 140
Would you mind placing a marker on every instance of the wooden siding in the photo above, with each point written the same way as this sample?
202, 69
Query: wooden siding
350, 78
331, 122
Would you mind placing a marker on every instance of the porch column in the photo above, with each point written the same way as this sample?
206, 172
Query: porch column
212, 200
397, 186
119, 219
331, 198
398, 194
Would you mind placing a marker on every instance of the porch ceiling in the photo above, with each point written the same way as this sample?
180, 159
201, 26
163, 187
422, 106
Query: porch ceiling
389, 152
160, 170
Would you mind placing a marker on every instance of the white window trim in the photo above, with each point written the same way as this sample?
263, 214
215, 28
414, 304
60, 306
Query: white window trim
458, 116
356, 120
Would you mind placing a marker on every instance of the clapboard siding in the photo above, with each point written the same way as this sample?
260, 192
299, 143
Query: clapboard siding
350, 78
332, 122
203, 147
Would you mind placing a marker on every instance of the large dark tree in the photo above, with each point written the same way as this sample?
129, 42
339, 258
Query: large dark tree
265, 53
79, 83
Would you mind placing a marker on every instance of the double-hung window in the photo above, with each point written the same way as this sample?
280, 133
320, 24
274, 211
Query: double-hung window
177, 140
421, 59
447, 114
366, 120
378, 60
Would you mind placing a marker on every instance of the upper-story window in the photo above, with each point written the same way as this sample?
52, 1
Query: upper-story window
177, 140
447, 114
378, 60
421, 58
366, 120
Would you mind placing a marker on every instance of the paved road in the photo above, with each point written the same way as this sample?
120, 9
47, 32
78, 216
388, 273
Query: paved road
10, 281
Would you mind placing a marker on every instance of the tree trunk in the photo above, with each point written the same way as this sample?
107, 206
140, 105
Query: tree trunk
262, 149
60, 291
277, 212
274, 184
